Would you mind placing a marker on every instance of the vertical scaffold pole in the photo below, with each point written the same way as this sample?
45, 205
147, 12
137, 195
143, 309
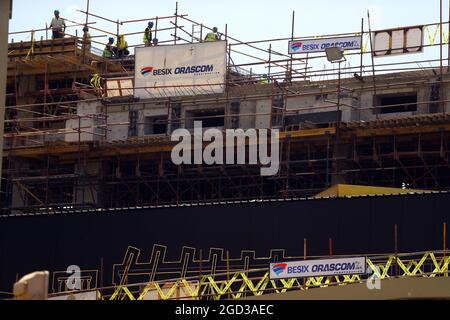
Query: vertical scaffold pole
396, 248
84, 34
176, 23
445, 239
269, 71
292, 39
362, 48
331, 246
441, 54
448, 38
372, 53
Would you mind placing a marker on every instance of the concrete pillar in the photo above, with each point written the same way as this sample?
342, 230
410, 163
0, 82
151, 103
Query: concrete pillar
341, 153
446, 97
263, 110
4, 29
246, 122
423, 95
366, 103
25, 86
85, 192
19, 195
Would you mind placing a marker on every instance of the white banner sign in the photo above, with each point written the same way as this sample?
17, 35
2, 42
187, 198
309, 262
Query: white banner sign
180, 70
319, 45
398, 41
317, 268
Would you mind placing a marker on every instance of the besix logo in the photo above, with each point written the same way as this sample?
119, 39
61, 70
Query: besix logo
296, 46
279, 268
146, 71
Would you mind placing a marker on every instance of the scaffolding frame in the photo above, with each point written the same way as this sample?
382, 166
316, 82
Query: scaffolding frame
138, 172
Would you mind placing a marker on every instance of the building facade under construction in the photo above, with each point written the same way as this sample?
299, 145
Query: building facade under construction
71, 147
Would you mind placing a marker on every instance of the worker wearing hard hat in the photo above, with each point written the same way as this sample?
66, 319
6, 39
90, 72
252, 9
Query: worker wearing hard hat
58, 26
122, 47
148, 36
155, 42
109, 50
213, 36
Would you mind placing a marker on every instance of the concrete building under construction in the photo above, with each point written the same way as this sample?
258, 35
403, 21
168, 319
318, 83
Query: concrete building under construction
68, 146
71, 147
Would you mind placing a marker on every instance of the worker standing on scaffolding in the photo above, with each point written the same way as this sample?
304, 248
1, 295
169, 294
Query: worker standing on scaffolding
109, 50
148, 36
213, 36
87, 39
58, 26
122, 47
96, 83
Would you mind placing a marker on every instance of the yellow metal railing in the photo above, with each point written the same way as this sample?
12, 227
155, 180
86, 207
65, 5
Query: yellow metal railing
257, 282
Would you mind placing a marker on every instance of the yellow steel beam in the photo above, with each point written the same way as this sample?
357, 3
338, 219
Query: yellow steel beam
308, 133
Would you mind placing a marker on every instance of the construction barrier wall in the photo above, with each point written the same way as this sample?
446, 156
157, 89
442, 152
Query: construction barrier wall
98, 240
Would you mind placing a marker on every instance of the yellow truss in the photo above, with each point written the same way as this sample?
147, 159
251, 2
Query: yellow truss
242, 284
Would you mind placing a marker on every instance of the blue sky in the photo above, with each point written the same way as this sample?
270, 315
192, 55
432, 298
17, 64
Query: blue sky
250, 19
247, 20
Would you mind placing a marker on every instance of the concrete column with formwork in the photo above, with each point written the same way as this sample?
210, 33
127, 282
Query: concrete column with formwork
423, 95
341, 154
118, 126
366, 112
86, 192
88, 124
263, 114
247, 119
176, 116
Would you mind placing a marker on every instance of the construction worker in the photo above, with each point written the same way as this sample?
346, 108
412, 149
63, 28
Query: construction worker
264, 79
148, 36
122, 47
87, 39
96, 83
288, 76
155, 42
58, 26
212, 36
109, 50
